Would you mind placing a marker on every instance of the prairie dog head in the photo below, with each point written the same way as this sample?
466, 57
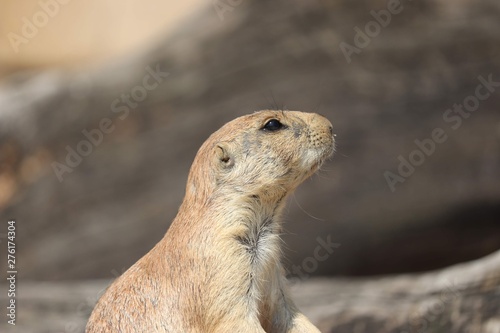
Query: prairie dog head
265, 154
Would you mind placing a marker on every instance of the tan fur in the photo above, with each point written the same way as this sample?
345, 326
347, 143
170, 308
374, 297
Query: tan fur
218, 268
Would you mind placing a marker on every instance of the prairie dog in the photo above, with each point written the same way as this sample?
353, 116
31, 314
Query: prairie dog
218, 268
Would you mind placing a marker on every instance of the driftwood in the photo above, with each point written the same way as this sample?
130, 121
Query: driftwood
460, 299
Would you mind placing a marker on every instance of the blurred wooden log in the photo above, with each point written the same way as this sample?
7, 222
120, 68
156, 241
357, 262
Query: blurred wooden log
460, 299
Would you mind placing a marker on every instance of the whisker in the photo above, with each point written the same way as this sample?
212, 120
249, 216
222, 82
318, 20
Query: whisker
305, 212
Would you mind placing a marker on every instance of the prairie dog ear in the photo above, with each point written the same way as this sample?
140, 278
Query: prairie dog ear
224, 157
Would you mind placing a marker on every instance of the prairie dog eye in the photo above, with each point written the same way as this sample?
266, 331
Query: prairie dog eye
273, 125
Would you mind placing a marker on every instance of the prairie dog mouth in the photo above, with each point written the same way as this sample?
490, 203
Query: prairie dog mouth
313, 158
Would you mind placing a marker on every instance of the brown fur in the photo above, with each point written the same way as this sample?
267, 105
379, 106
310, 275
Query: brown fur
218, 267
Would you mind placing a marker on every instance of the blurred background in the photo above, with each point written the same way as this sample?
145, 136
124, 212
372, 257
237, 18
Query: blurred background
103, 105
